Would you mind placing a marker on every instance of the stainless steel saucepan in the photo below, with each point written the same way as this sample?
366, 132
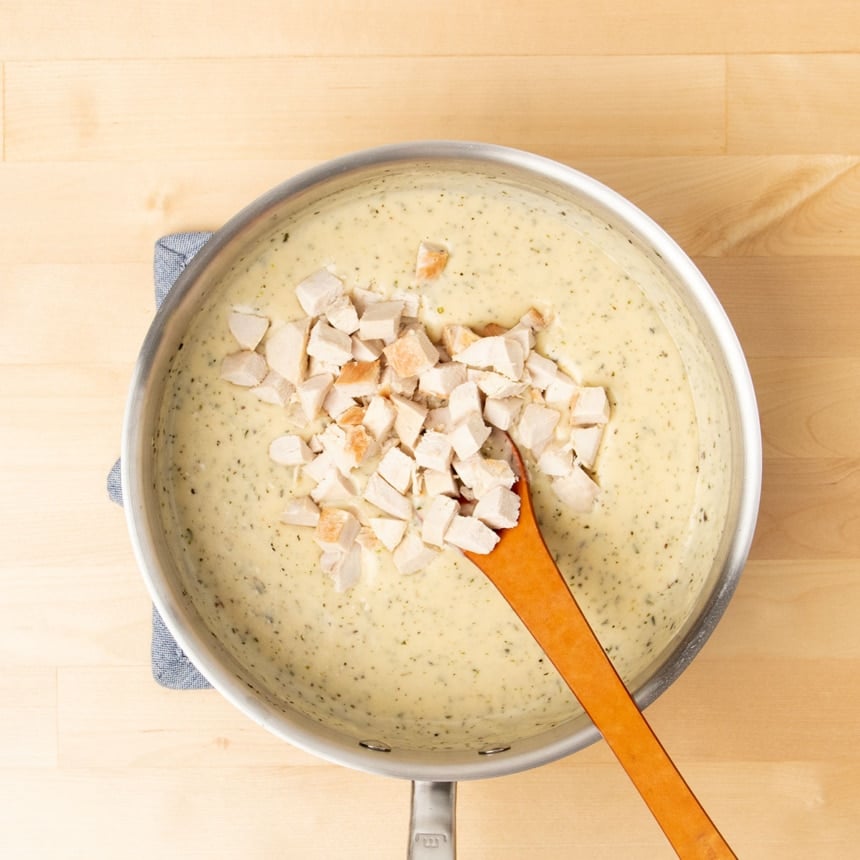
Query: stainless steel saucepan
434, 774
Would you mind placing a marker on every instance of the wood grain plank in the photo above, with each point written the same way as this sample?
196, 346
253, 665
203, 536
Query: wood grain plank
392, 27
790, 103
117, 716
713, 206
791, 609
792, 809
809, 406
28, 716
201, 813
802, 307
810, 510
317, 107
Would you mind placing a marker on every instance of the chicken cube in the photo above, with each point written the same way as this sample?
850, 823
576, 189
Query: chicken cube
333, 487
590, 407
536, 426
499, 508
290, 450
469, 435
319, 290
397, 468
412, 554
437, 483
408, 420
347, 569
434, 451
336, 530
246, 368
274, 389
389, 531
381, 321
341, 313
576, 490
313, 392
585, 442
502, 412
329, 344
430, 261
469, 533
358, 378
286, 349
437, 519
465, 400
412, 353
441, 380
366, 350
380, 493
379, 416
301, 511
247, 328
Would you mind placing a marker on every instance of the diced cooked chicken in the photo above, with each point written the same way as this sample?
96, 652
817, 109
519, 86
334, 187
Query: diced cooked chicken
542, 370
318, 291
397, 468
391, 383
502, 412
434, 451
360, 445
352, 416
313, 392
274, 389
379, 416
591, 406
358, 378
561, 391
524, 335
439, 419
341, 313
482, 474
333, 487
301, 511
536, 425
366, 350
555, 460
380, 493
346, 570
535, 320
246, 368
469, 435
430, 261
585, 442
390, 531
286, 349
408, 420
247, 328
497, 352
290, 450
381, 321
411, 354
456, 338
471, 534
437, 483
336, 530
412, 554
499, 508
319, 467
465, 400
576, 490
441, 380
329, 344
497, 385
336, 403
437, 519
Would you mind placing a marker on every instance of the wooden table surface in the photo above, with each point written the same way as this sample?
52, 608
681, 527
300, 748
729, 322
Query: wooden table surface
735, 124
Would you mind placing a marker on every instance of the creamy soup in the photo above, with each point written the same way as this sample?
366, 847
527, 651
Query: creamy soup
437, 659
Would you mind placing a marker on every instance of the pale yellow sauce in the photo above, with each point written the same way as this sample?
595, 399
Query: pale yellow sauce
437, 659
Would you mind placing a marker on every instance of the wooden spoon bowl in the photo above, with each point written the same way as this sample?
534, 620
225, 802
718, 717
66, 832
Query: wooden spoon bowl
523, 570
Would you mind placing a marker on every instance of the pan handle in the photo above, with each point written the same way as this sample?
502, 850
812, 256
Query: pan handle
431, 825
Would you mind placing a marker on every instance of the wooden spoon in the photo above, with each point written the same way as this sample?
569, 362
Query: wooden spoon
523, 570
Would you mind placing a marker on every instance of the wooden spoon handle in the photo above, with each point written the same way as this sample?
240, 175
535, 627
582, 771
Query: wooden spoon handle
548, 609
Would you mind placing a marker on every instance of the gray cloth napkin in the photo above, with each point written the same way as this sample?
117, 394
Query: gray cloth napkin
170, 666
